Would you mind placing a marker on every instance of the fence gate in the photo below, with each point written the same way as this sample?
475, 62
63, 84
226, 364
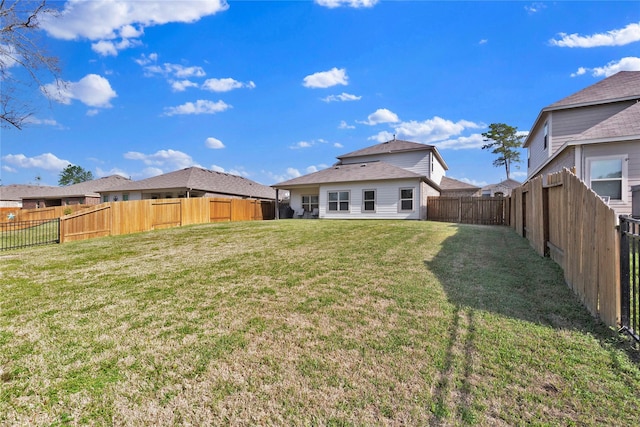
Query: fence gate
629, 276
21, 234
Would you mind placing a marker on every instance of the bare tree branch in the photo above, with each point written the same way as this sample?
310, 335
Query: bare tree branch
23, 58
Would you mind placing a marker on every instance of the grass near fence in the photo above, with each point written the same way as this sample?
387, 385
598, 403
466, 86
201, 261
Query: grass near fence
28, 233
303, 322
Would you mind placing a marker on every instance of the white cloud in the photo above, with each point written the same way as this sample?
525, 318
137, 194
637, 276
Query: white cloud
630, 63
163, 159
217, 168
324, 79
338, 145
46, 122
199, 107
301, 144
46, 161
8, 56
343, 97
182, 85
170, 70
434, 129
332, 4
225, 85
534, 8
381, 115
110, 48
122, 21
100, 173
462, 143
483, 41
214, 143
382, 136
344, 125
621, 37
472, 181
92, 90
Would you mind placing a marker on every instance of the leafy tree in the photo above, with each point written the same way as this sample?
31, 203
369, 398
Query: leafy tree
504, 141
74, 174
22, 58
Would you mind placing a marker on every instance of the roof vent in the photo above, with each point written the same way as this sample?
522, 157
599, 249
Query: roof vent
337, 167
363, 165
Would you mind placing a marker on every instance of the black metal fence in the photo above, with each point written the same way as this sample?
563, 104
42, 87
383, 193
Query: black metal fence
21, 234
630, 276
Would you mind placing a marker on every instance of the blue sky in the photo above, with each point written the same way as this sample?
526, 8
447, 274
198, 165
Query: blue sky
271, 90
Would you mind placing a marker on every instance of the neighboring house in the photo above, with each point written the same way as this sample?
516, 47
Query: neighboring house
390, 180
83, 193
501, 189
596, 131
186, 183
11, 195
453, 188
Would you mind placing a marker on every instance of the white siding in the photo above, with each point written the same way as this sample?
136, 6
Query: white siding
438, 170
387, 200
415, 161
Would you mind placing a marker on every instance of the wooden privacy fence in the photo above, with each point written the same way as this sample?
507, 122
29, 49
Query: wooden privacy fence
566, 220
468, 210
42, 213
114, 218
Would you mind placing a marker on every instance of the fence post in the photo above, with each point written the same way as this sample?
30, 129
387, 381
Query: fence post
625, 276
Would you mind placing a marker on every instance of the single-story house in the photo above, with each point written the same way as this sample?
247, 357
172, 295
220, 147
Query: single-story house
11, 195
186, 183
455, 188
596, 132
83, 193
501, 189
390, 180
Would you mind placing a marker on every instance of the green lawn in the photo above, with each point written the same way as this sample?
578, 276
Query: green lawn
304, 322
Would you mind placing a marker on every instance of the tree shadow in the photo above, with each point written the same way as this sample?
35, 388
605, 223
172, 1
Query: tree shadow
493, 269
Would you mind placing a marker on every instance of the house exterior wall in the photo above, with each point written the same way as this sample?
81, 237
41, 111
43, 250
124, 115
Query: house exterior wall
414, 161
567, 124
537, 154
630, 152
566, 159
386, 202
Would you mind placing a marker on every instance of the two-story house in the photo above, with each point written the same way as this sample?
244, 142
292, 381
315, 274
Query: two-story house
391, 180
596, 131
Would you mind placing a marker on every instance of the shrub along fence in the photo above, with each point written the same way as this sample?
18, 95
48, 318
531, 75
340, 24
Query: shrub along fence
566, 220
468, 210
114, 218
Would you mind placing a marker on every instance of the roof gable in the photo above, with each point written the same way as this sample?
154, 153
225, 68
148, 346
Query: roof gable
394, 146
195, 178
620, 86
353, 172
624, 124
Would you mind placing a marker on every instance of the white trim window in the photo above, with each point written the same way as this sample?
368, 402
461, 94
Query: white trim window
338, 201
368, 200
607, 176
310, 202
406, 199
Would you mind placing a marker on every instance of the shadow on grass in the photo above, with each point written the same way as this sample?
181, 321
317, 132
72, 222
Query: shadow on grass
492, 269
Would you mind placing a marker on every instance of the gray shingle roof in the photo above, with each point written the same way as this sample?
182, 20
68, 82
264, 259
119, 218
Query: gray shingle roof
369, 171
87, 188
622, 85
394, 146
451, 184
507, 183
195, 178
17, 192
624, 124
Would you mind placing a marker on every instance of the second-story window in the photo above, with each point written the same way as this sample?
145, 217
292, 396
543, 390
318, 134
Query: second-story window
546, 135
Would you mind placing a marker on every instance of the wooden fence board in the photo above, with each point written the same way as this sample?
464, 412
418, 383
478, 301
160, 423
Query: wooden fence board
579, 230
467, 210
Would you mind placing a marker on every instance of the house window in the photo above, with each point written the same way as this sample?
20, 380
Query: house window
338, 201
546, 135
125, 197
310, 202
105, 198
369, 200
406, 199
606, 176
